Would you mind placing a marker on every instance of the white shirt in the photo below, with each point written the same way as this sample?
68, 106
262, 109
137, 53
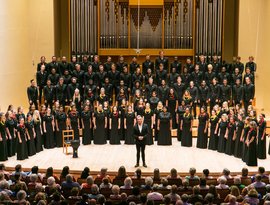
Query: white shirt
140, 127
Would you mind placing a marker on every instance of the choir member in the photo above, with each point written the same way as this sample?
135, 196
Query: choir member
148, 117
114, 76
172, 104
238, 92
179, 116
22, 151
108, 64
238, 64
179, 88
153, 100
41, 78
122, 107
89, 95
251, 157
31, 135
202, 64
67, 79
114, 126
71, 88
157, 111
32, 93
89, 75
77, 100
20, 113
216, 64
251, 64
74, 118
163, 90
203, 129
60, 125
48, 91
3, 138
137, 76
249, 92
161, 74
230, 136
223, 124
63, 65
186, 76
203, 94
129, 122
150, 87
253, 116
225, 91
121, 64
95, 64
223, 75
41, 63
162, 60
189, 66
214, 93
52, 64
102, 97
197, 76
177, 65
244, 138
213, 141
126, 77
209, 75
61, 91
107, 112
100, 124
149, 74
86, 122
11, 124
250, 75
133, 65
187, 99
38, 130
261, 149
84, 64
53, 77
73, 63
186, 128
164, 127
139, 107
236, 75
48, 128
194, 94
239, 136
122, 95
100, 76
147, 64
172, 77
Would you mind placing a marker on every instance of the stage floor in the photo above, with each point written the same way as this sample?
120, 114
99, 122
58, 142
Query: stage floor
162, 157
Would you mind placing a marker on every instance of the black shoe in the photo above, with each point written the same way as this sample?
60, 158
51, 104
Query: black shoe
137, 165
145, 165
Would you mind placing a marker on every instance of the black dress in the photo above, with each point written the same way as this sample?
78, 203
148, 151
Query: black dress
11, 143
87, 131
61, 118
202, 136
251, 159
164, 134
221, 137
186, 140
230, 142
213, 141
148, 120
122, 113
99, 132
30, 142
180, 111
49, 135
238, 144
22, 151
114, 134
244, 148
171, 109
3, 143
129, 131
157, 112
261, 149
74, 116
107, 130
37, 126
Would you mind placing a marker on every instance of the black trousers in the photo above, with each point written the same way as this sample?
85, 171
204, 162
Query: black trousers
140, 149
40, 93
246, 104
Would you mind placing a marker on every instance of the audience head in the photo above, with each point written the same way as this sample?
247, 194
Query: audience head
128, 182
206, 172
90, 180
148, 181
222, 180
122, 172
115, 189
244, 172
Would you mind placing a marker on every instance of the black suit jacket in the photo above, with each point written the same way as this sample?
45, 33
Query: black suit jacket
137, 133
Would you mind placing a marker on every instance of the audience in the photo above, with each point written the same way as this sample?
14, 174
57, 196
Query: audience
222, 183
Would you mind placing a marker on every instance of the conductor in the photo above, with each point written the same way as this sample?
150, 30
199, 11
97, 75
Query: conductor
140, 133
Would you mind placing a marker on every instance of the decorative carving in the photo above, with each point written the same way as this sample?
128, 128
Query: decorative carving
107, 9
154, 17
134, 15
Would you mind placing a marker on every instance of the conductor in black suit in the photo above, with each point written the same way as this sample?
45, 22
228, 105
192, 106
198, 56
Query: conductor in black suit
140, 133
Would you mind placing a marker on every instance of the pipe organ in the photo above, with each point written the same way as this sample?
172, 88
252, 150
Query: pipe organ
137, 27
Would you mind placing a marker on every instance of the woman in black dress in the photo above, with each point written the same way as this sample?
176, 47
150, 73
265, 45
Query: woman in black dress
149, 120
139, 108
86, 125
42, 113
74, 121
48, 127
153, 100
187, 98
164, 127
213, 141
186, 128
31, 135
157, 111
231, 136
115, 122
77, 100
3, 138
60, 125
251, 143
100, 124
11, 124
102, 97
129, 123
38, 131
22, 151
203, 129
179, 116
243, 139
222, 132
20, 114
172, 104
261, 137
122, 111
107, 111
239, 134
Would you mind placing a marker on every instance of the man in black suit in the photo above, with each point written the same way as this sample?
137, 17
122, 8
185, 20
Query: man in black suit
249, 92
32, 93
140, 133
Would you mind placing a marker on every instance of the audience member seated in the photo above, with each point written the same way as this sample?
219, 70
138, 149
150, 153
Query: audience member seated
164, 184
222, 183
232, 201
173, 174
4, 187
19, 184
154, 194
206, 173
94, 192
21, 198
49, 173
18, 170
74, 194
203, 184
138, 174
185, 186
196, 196
212, 190
105, 184
156, 175
148, 184
115, 193
252, 197
135, 194
209, 199
3, 170
64, 173
52, 186
266, 197
127, 184
234, 192
173, 194
35, 170
85, 173
89, 183
167, 200
261, 171
34, 180
237, 182
102, 174
244, 173
227, 173
69, 183
121, 174
258, 182
192, 172
184, 199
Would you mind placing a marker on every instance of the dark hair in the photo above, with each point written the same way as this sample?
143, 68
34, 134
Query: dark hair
138, 173
34, 170
202, 181
49, 172
261, 170
244, 172
143, 198
206, 172
2, 166
136, 191
65, 171
85, 173
18, 167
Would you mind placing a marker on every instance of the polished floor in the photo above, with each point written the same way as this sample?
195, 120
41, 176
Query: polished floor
162, 157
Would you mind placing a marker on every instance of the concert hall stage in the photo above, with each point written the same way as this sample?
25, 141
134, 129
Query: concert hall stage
162, 157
